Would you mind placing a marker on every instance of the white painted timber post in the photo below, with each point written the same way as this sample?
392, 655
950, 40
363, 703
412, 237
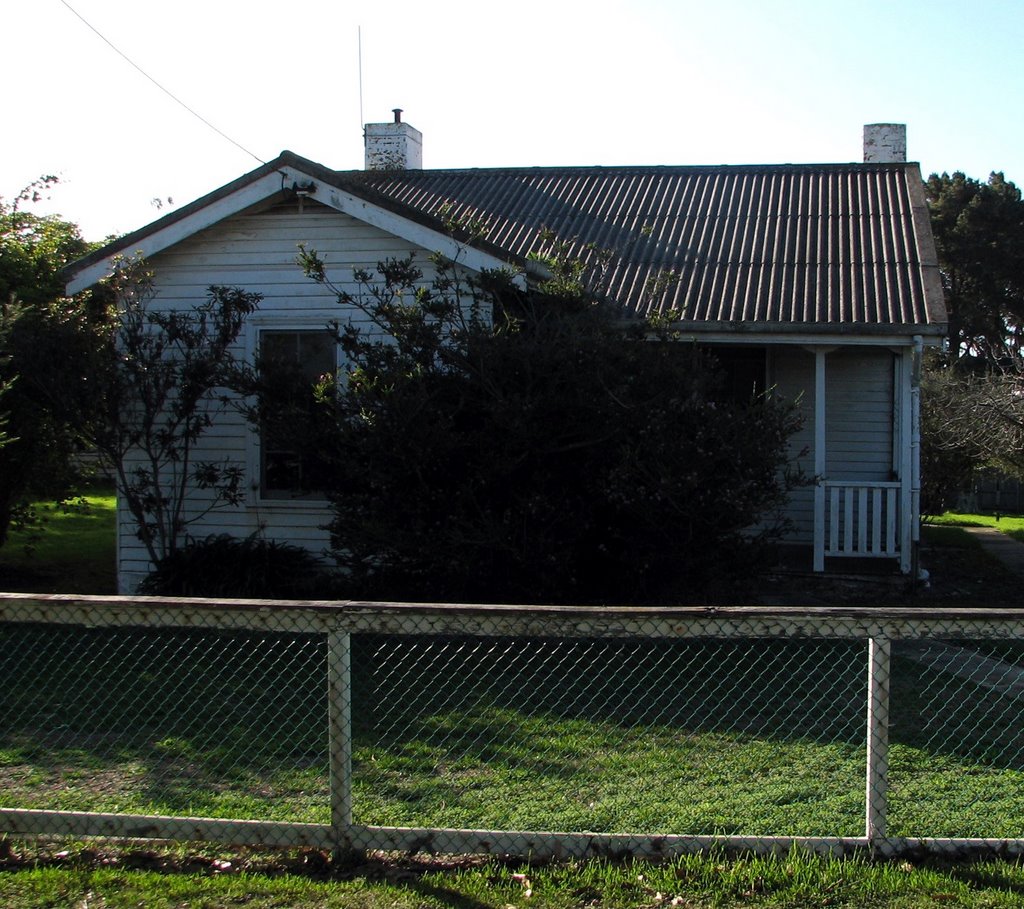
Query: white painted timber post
339, 712
915, 458
877, 794
819, 458
907, 454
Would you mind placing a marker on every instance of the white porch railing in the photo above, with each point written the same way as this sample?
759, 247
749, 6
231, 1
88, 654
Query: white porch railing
862, 519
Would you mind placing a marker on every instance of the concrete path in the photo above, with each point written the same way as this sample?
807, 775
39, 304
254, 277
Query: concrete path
965, 662
1008, 550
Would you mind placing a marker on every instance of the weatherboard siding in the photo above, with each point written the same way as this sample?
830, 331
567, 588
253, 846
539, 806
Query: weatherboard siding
257, 251
858, 419
858, 410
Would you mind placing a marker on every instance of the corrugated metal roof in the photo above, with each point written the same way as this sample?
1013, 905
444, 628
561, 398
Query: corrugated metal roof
834, 245
816, 248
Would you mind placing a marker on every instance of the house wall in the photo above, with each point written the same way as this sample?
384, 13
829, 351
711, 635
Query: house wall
257, 251
859, 388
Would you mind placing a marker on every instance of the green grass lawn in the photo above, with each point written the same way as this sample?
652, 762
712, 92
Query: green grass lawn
796, 881
1011, 525
695, 737
73, 553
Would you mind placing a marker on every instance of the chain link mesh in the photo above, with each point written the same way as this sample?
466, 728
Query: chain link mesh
794, 727
166, 722
609, 736
957, 739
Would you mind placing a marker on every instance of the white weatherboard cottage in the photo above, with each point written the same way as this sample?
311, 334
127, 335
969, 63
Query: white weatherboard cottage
818, 280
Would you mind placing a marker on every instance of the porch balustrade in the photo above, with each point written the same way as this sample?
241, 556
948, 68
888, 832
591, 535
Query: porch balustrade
861, 519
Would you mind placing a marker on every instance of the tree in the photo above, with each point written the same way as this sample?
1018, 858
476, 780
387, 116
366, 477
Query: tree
151, 386
979, 237
5, 385
972, 419
38, 458
971, 397
107, 372
951, 446
495, 444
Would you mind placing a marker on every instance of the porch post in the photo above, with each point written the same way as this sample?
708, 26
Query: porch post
819, 458
909, 443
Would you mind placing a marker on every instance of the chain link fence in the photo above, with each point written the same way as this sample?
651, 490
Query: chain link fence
524, 731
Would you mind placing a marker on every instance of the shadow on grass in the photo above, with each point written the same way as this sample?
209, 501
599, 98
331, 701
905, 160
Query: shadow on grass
983, 876
615, 732
180, 720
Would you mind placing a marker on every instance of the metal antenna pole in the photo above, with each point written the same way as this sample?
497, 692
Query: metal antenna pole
361, 120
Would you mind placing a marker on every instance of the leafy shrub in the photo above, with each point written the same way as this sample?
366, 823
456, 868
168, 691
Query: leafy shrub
493, 445
224, 566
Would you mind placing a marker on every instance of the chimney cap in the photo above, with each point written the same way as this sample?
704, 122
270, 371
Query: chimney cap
397, 111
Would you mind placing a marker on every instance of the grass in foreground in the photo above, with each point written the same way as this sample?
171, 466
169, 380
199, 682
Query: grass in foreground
795, 880
928, 773
702, 738
74, 553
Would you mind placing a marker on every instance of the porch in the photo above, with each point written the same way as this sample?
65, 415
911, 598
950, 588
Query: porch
858, 516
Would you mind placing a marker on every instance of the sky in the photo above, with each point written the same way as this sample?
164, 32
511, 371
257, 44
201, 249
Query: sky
526, 83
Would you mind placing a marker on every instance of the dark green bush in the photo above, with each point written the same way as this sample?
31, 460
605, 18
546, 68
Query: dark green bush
531, 447
254, 567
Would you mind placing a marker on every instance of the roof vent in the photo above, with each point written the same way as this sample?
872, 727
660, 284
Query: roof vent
885, 143
393, 146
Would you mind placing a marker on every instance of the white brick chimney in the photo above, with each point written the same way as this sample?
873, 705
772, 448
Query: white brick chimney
393, 146
885, 143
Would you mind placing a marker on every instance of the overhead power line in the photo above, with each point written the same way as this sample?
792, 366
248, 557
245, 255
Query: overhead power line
167, 92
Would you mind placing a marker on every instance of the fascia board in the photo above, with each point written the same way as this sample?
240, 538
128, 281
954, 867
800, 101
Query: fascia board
159, 240
803, 339
935, 296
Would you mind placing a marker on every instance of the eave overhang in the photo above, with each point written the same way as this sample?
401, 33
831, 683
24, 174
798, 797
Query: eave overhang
808, 333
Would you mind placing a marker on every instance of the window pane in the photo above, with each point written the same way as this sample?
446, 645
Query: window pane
291, 363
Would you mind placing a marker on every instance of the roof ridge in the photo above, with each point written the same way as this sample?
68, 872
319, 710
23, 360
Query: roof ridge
374, 175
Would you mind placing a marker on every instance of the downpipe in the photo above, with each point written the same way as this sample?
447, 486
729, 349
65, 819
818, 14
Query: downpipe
915, 460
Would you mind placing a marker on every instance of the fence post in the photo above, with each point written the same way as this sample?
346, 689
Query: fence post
877, 739
339, 713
